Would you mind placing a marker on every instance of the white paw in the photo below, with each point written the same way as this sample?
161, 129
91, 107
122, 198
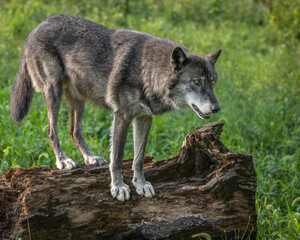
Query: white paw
144, 189
99, 161
121, 192
65, 164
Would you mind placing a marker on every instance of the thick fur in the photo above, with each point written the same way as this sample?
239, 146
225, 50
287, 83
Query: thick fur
22, 93
132, 74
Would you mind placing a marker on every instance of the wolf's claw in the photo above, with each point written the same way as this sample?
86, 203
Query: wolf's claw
144, 189
65, 164
121, 192
99, 161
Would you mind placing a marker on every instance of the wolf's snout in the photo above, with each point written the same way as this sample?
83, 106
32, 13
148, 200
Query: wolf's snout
215, 108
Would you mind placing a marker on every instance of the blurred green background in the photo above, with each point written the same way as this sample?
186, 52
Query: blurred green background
258, 89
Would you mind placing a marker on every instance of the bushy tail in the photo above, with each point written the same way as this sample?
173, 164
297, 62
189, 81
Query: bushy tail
21, 94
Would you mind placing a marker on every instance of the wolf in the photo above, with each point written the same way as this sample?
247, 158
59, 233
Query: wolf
133, 74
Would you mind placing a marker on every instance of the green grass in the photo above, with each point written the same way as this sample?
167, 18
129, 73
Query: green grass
258, 89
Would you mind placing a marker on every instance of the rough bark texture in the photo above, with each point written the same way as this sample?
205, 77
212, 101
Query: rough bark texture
205, 188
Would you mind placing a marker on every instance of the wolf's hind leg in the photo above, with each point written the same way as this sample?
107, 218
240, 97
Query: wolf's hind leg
76, 113
141, 128
46, 75
53, 94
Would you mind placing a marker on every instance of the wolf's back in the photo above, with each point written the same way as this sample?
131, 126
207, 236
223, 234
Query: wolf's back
21, 94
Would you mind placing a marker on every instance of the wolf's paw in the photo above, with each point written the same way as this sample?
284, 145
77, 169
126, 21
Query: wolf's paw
121, 192
99, 161
65, 164
144, 189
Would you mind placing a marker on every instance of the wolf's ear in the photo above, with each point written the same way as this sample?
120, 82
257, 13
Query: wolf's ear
213, 57
179, 58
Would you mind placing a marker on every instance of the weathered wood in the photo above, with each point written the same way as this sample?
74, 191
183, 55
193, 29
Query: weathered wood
205, 188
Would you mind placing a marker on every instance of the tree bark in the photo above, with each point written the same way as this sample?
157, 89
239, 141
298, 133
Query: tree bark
204, 189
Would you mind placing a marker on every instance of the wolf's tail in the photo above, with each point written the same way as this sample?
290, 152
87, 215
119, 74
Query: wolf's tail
21, 94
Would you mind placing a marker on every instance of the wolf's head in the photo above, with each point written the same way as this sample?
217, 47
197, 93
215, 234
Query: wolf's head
196, 78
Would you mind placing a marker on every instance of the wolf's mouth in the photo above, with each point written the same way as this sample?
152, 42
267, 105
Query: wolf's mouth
200, 114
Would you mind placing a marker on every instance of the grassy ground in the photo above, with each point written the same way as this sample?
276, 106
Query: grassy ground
258, 89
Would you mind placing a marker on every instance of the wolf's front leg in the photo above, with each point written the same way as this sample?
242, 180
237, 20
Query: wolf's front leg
120, 127
141, 128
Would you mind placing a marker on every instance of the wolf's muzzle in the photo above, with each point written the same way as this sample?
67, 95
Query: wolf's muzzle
202, 115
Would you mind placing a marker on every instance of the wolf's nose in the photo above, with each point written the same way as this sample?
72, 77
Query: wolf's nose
215, 108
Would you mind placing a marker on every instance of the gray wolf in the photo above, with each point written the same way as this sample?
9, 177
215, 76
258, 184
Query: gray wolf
133, 74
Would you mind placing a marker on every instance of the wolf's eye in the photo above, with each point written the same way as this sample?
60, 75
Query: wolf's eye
213, 82
197, 82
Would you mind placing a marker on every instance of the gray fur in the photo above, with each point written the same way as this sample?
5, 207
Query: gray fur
132, 74
22, 94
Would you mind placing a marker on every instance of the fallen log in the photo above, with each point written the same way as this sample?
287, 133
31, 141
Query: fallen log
204, 189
